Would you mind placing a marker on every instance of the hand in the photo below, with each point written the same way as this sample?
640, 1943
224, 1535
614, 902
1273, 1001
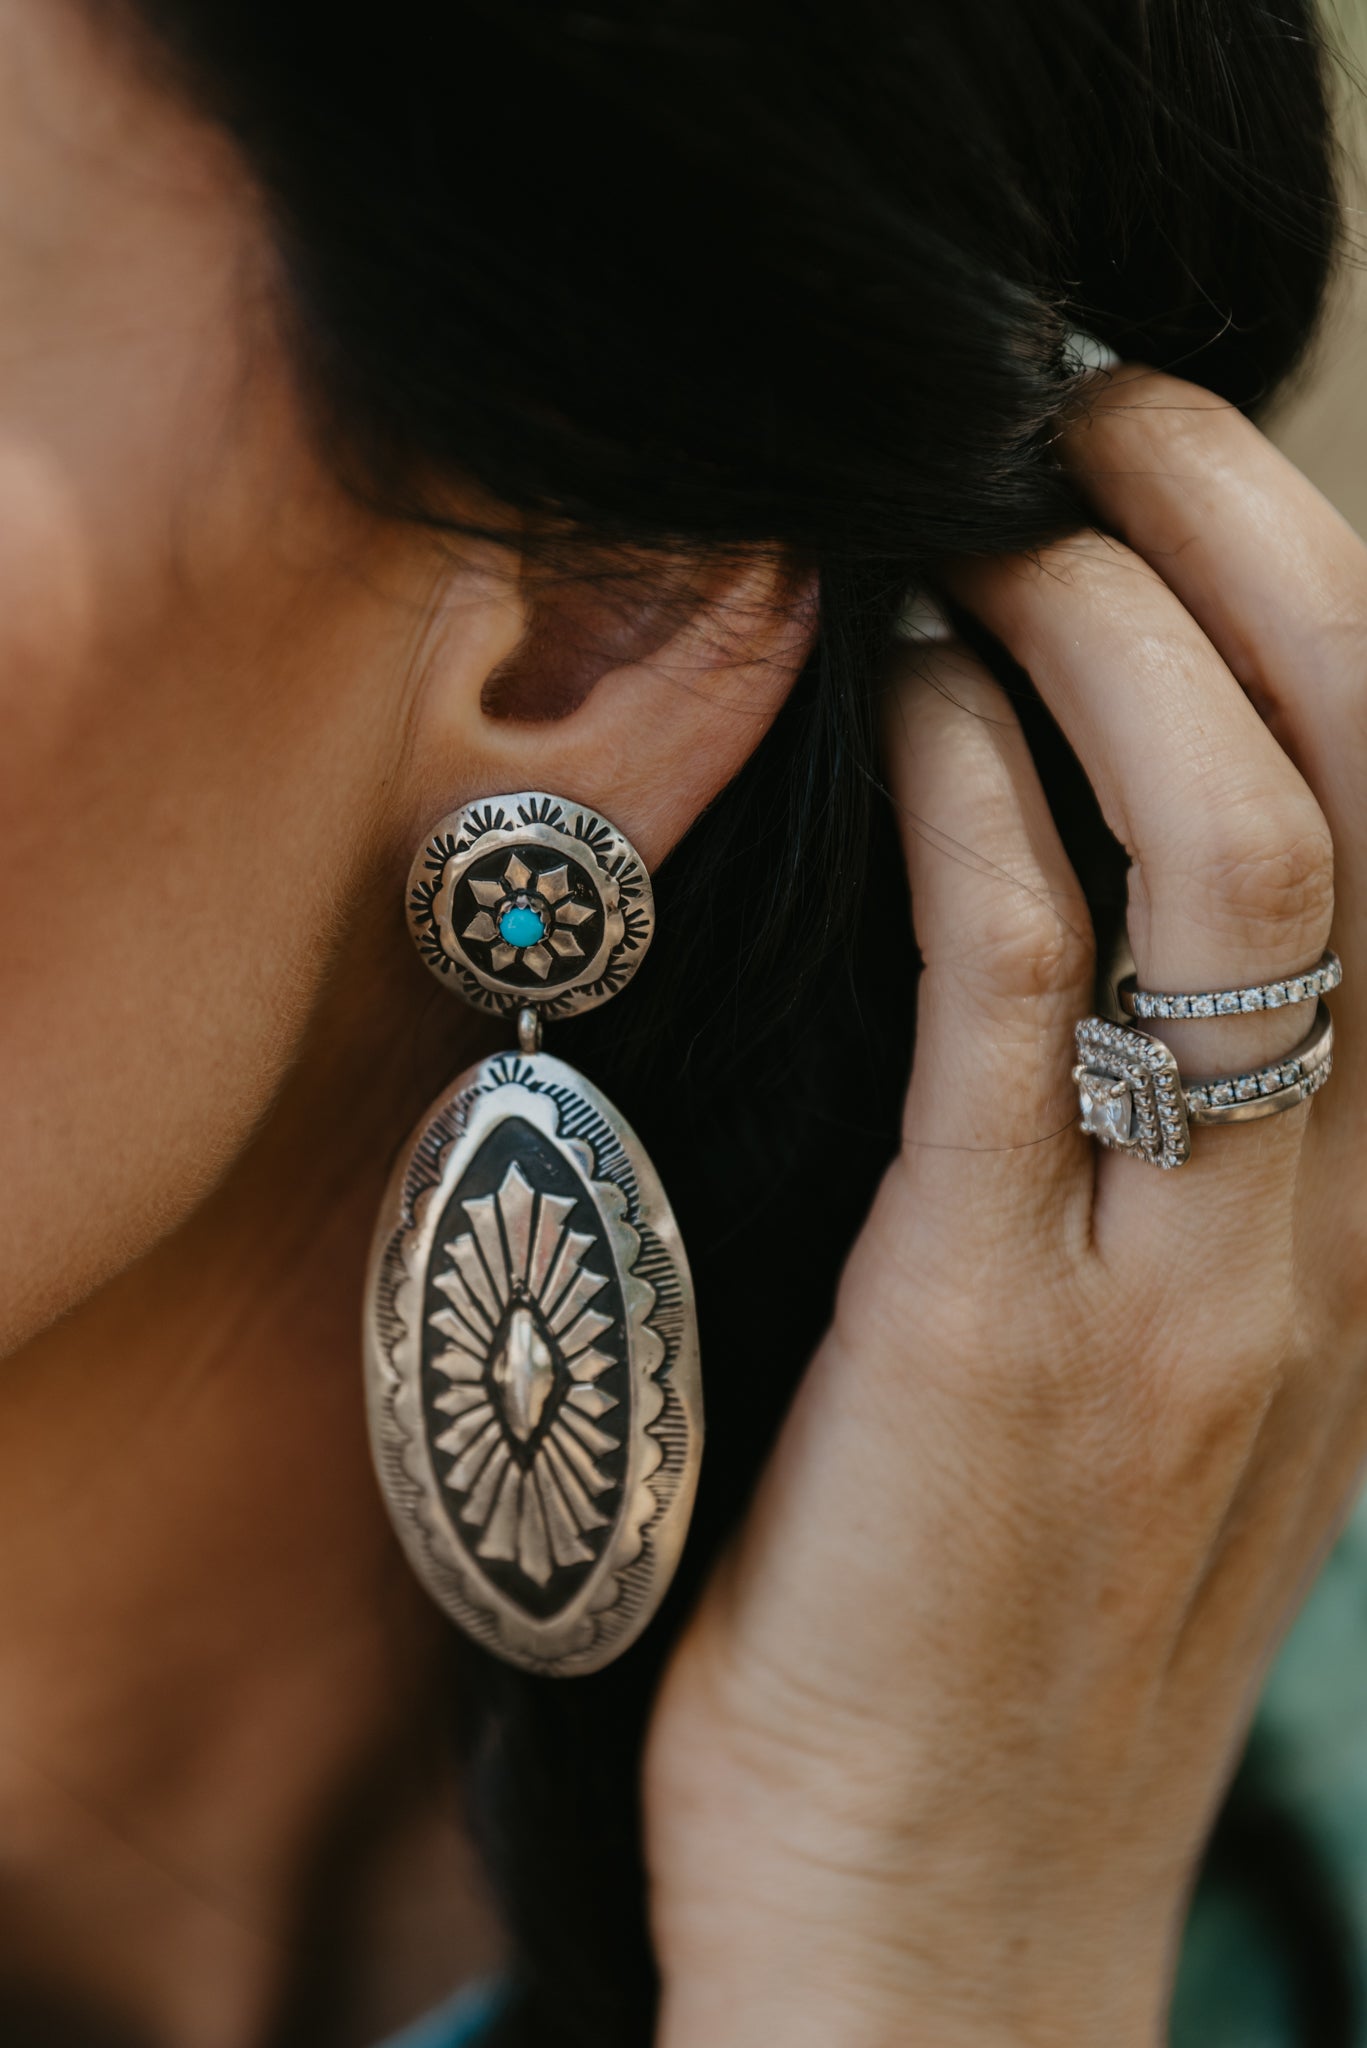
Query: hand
936, 1758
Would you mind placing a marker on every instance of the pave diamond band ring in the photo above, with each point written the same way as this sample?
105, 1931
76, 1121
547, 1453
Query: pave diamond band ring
1135, 1101
1227, 1002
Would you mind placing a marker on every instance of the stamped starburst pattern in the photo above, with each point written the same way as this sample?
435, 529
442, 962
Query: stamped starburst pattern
521, 1325
530, 900
528, 914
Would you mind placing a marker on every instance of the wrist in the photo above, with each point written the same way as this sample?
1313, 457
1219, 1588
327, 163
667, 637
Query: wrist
815, 1881
850, 1946
775, 1998
784, 1993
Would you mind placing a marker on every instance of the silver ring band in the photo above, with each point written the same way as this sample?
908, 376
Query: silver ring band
1279, 1085
1227, 1002
1135, 1101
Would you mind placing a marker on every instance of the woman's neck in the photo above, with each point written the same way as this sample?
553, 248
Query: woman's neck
222, 1731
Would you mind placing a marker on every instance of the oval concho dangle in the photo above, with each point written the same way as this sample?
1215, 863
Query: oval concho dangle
531, 1346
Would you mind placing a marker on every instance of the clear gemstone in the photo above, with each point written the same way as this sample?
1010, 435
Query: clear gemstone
1274, 997
1203, 1006
1246, 1087
1291, 1074
1295, 991
1181, 1006
1222, 1092
1225, 1004
1268, 1084
1107, 1108
1252, 999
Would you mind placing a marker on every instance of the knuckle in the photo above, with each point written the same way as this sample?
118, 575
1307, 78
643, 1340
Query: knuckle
1027, 947
1214, 1375
1212, 1410
1185, 1433
1261, 864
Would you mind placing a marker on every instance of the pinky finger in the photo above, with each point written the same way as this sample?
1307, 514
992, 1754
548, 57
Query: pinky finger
1006, 943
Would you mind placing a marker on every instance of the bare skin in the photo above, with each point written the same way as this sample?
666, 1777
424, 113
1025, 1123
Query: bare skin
937, 1758
231, 704
936, 1773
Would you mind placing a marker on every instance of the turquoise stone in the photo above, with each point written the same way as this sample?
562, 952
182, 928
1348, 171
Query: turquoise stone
521, 926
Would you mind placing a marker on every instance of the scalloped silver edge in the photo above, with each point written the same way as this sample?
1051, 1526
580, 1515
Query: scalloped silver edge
531, 817
619, 1597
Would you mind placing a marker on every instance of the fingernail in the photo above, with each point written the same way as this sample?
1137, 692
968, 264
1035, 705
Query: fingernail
922, 620
1085, 352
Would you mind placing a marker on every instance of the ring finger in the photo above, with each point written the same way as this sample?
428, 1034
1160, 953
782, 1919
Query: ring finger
1232, 862
1278, 582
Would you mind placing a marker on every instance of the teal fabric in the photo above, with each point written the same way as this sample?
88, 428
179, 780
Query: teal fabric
1309, 1753
459, 2024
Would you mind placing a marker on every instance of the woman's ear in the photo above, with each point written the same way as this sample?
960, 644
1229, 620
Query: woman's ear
640, 692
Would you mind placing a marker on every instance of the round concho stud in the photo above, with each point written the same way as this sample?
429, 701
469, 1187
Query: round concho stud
530, 899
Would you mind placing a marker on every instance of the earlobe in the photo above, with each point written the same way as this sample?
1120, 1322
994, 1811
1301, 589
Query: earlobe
641, 697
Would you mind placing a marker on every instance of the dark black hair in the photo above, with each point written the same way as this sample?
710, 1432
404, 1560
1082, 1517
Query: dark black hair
708, 275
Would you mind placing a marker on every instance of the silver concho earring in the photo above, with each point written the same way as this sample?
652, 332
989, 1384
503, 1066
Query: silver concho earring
531, 1345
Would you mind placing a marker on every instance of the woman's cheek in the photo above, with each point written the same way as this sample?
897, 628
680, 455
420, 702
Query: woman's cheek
154, 976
